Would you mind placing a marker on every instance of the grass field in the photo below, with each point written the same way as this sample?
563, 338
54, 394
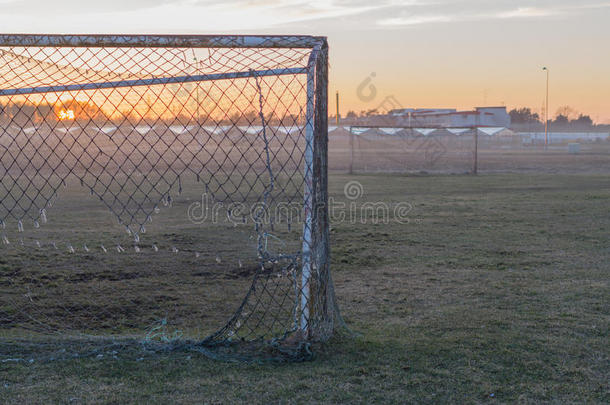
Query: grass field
496, 290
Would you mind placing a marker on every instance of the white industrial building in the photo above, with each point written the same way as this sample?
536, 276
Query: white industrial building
450, 117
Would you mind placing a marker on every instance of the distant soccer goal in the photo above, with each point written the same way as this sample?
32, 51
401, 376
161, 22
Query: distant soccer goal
426, 149
404, 149
163, 192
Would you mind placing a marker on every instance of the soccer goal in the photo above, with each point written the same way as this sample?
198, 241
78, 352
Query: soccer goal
406, 149
163, 192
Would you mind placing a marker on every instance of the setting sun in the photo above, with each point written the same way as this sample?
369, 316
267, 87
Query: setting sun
66, 115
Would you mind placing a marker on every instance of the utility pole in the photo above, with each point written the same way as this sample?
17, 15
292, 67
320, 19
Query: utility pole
195, 71
197, 92
337, 108
546, 110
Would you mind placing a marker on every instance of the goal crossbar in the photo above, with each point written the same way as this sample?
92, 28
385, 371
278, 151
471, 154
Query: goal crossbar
163, 41
152, 81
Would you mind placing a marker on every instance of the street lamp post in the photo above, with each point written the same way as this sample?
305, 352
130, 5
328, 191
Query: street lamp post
546, 110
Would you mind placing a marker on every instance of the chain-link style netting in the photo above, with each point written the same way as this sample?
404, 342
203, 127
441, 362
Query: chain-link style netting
163, 192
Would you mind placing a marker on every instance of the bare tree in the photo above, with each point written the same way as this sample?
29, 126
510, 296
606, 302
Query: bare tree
568, 112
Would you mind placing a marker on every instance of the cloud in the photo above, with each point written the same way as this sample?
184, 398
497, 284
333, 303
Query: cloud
527, 12
414, 20
177, 16
458, 11
198, 16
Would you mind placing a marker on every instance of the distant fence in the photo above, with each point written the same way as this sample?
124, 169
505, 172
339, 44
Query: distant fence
562, 137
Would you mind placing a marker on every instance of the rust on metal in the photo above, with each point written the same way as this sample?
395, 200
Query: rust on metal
161, 41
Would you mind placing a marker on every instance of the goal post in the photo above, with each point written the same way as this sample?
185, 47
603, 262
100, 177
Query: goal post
413, 148
168, 190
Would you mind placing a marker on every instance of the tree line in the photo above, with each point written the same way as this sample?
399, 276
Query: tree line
565, 118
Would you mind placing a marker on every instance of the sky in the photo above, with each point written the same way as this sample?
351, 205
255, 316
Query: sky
409, 53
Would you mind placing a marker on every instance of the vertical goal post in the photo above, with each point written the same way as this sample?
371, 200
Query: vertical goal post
258, 135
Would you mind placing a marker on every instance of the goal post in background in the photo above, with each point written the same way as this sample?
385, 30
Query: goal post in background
165, 191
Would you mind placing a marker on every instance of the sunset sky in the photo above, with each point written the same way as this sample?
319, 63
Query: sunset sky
437, 53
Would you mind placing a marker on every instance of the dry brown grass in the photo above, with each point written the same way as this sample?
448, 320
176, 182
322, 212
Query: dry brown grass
496, 290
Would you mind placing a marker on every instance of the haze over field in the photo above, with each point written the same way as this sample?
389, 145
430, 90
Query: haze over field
456, 53
170, 208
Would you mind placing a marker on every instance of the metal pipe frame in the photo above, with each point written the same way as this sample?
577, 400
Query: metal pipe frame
161, 41
316, 247
152, 81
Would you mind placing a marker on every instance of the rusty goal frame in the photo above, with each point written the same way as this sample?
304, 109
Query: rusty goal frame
314, 309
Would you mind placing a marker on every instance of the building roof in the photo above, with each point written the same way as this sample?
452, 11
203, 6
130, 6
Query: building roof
457, 113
